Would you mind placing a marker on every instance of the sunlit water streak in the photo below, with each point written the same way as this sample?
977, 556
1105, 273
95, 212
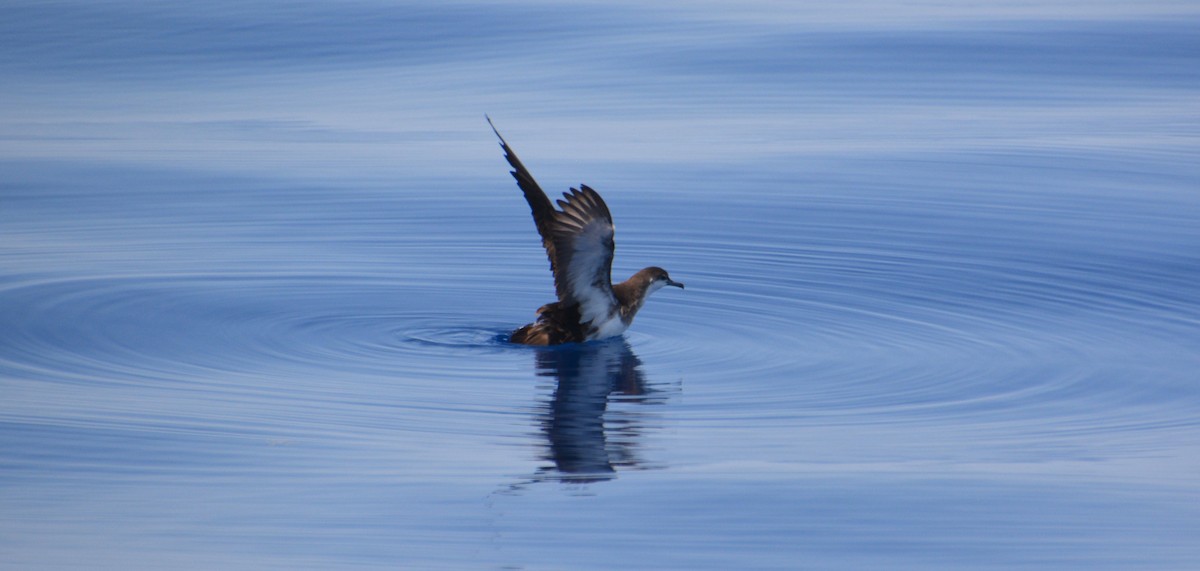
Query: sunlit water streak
940, 312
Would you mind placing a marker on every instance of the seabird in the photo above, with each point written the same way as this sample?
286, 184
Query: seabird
578, 238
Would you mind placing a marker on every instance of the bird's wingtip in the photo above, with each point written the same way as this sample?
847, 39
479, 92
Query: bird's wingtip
494, 130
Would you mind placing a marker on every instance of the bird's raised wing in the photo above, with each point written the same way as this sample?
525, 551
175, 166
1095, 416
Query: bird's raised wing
539, 203
578, 240
583, 250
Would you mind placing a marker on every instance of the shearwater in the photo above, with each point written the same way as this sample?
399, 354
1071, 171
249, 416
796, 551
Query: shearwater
578, 238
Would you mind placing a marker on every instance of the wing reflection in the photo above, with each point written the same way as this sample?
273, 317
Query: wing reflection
587, 441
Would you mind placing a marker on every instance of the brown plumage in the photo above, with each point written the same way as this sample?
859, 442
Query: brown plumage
578, 238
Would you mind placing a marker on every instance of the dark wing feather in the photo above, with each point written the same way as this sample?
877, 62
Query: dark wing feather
539, 203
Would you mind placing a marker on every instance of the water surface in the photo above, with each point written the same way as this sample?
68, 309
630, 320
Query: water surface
258, 262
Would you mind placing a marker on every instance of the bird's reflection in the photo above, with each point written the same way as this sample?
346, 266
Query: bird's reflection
587, 442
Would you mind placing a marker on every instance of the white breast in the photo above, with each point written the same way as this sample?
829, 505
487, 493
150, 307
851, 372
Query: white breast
610, 327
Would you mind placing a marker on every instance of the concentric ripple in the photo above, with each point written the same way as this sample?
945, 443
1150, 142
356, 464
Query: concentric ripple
808, 311
205, 353
146, 325
850, 315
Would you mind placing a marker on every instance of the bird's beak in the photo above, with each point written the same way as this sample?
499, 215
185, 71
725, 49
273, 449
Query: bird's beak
671, 282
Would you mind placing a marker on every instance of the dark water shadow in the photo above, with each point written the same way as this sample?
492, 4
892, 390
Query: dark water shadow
587, 438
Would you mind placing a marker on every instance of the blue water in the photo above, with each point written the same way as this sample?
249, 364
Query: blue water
257, 263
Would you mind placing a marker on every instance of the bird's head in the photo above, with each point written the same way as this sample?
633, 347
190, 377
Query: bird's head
656, 277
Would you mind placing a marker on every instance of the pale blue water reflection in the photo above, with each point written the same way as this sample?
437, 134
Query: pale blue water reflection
257, 264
